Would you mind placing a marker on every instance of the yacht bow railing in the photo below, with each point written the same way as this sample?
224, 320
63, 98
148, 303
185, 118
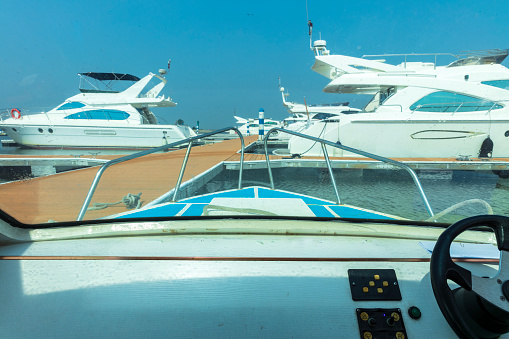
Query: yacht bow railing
407, 55
324, 142
189, 141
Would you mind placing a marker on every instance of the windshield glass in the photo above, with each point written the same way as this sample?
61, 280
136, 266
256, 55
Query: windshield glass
156, 143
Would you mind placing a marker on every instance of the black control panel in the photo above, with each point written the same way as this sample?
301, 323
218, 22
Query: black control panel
374, 284
381, 323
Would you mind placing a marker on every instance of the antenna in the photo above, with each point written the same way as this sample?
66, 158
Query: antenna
305, 104
310, 27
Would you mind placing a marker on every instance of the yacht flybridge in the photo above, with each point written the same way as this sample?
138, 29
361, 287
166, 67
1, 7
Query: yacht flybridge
106, 113
419, 109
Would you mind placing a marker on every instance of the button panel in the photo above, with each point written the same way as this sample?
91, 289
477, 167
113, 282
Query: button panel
381, 323
374, 284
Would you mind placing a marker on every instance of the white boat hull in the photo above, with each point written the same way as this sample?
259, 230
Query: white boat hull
407, 137
141, 136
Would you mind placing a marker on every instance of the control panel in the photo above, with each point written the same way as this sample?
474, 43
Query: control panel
377, 285
381, 323
374, 284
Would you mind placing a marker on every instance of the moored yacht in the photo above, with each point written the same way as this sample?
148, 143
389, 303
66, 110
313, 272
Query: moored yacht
418, 109
100, 116
303, 116
251, 126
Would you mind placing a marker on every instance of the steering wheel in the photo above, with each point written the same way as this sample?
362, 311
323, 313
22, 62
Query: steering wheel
480, 307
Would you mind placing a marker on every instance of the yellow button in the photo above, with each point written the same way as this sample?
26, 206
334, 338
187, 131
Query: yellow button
364, 316
371, 283
377, 277
368, 335
380, 290
395, 316
365, 289
400, 335
385, 283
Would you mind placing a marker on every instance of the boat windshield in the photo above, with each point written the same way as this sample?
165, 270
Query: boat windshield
219, 180
180, 193
94, 82
430, 146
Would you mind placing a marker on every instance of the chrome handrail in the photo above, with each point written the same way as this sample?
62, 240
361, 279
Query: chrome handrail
100, 172
349, 149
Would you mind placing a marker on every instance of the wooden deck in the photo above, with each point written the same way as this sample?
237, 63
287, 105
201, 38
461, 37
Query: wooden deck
59, 197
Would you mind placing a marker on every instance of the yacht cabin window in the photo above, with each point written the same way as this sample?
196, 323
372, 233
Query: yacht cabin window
504, 84
321, 116
386, 94
100, 114
449, 102
71, 105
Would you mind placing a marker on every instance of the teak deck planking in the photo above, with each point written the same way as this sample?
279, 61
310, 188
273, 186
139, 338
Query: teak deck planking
59, 197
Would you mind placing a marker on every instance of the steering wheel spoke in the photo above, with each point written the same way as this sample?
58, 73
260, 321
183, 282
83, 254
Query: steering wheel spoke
492, 289
459, 275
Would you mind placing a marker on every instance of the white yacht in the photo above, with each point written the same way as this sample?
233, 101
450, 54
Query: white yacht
419, 109
100, 116
251, 126
303, 116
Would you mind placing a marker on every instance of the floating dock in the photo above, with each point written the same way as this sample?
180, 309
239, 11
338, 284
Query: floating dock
424, 164
20, 167
59, 197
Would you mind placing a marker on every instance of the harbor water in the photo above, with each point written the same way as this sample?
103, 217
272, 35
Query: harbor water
389, 191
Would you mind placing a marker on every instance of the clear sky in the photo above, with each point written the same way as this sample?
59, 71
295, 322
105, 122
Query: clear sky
226, 55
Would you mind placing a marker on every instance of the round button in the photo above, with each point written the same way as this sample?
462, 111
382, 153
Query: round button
414, 312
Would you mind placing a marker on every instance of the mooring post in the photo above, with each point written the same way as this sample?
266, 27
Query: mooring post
260, 123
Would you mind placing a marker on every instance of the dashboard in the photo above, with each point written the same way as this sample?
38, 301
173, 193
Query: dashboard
190, 284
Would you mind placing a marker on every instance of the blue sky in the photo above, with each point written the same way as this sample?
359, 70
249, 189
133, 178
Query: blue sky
226, 56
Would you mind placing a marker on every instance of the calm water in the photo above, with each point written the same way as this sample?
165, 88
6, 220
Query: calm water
388, 191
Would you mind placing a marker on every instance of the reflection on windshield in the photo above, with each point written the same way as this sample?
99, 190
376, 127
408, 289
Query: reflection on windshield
157, 185
429, 146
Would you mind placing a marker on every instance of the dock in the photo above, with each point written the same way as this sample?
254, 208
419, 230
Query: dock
59, 197
257, 161
24, 166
